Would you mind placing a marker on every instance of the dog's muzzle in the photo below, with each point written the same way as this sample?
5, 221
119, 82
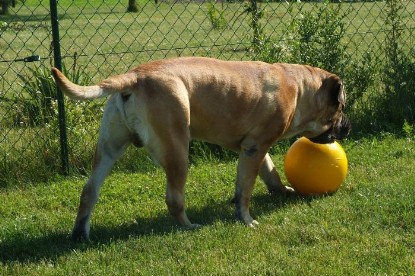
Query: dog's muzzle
338, 131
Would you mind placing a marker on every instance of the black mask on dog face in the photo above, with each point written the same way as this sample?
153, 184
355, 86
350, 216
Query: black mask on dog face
338, 131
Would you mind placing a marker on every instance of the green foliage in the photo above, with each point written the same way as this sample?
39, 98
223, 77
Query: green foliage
217, 17
316, 38
37, 107
36, 113
359, 76
408, 129
3, 26
392, 103
319, 37
398, 73
256, 14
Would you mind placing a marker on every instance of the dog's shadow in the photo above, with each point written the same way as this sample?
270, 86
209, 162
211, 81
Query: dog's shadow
53, 245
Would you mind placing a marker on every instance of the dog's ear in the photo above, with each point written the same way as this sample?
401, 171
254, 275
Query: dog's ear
334, 85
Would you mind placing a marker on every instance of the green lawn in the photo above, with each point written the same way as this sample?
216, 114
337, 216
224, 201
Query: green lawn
366, 228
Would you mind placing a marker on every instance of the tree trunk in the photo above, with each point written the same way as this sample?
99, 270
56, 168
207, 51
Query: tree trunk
4, 6
132, 6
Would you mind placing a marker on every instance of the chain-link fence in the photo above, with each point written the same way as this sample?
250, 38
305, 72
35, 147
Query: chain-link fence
100, 38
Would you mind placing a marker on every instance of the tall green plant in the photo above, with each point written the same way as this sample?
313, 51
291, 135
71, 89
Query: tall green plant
36, 107
258, 37
217, 17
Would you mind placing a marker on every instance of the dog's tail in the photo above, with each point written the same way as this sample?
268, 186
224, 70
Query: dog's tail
116, 84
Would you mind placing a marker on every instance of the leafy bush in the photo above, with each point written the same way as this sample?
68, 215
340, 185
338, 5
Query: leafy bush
398, 72
319, 35
392, 104
256, 14
316, 38
408, 129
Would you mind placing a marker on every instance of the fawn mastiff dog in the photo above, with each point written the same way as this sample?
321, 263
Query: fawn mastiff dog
245, 106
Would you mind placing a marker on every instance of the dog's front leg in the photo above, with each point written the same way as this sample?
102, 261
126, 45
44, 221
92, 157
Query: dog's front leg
271, 178
250, 160
176, 169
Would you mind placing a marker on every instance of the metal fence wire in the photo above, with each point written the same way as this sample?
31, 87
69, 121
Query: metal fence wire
41, 135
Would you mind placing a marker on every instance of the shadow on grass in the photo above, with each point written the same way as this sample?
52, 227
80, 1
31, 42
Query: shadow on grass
23, 248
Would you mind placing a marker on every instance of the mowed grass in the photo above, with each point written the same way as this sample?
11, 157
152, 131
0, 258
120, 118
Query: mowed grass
366, 228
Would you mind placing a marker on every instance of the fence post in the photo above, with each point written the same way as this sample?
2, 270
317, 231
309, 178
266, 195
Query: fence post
61, 105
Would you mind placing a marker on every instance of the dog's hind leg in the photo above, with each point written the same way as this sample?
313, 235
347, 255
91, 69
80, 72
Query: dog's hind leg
271, 178
113, 139
176, 174
174, 160
169, 147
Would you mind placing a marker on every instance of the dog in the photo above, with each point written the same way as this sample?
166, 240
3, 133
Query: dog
245, 106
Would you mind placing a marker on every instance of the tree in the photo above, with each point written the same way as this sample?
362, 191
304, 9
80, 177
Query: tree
5, 5
132, 6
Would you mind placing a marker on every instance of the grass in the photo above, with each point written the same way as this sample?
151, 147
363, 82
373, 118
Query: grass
366, 228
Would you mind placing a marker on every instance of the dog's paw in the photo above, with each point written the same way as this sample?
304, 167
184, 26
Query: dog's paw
285, 190
194, 226
288, 190
253, 224
191, 227
247, 220
80, 230
80, 236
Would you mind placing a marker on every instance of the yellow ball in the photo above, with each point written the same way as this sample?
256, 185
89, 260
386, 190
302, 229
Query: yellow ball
315, 169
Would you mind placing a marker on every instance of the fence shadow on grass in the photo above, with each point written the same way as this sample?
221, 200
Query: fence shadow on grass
51, 246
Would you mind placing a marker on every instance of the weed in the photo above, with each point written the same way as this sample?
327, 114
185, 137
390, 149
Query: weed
37, 107
258, 38
408, 129
217, 17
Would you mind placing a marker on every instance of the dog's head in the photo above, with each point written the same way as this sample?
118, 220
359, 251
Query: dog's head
332, 123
